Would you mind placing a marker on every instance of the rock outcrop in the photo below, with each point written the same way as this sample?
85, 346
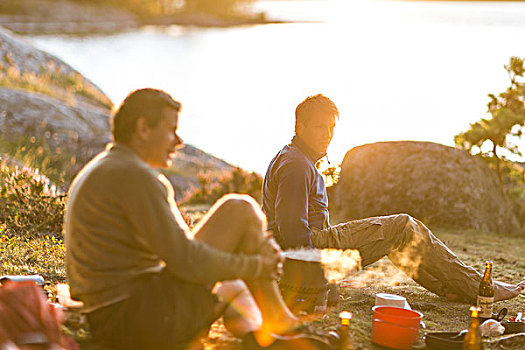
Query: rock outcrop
83, 132
440, 185
75, 124
43, 98
78, 130
26, 67
188, 162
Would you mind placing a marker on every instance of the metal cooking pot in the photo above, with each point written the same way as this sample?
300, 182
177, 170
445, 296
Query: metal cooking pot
303, 284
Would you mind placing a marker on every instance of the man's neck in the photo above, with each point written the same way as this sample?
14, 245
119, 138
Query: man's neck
307, 150
127, 148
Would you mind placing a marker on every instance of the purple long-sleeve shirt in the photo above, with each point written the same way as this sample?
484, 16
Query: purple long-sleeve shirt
294, 195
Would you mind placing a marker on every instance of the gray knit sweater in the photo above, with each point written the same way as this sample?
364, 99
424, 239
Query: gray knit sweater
122, 221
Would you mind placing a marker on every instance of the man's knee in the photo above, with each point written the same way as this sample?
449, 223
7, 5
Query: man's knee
248, 218
400, 221
229, 290
243, 206
402, 218
398, 228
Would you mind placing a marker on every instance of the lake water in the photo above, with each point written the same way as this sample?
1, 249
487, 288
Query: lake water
396, 70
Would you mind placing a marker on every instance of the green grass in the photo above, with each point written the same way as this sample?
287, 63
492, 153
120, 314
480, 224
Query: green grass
38, 255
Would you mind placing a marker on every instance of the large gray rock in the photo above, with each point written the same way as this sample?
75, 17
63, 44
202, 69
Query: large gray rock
19, 57
46, 101
188, 162
440, 185
73, 122
25, 57
83, 132
78, 130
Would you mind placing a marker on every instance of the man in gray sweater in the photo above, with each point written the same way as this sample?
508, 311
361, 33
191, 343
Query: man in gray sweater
146, 280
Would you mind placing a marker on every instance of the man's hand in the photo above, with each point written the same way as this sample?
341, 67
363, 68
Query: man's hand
272, 259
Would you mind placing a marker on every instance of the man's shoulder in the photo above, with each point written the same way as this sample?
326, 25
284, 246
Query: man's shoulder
125, 165
292, 156
290, 161
110, 169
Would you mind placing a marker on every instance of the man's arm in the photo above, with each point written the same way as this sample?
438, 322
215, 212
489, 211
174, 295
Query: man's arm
152, 214
291, 205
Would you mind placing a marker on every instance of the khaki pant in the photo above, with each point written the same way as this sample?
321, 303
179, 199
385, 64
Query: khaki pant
410, 246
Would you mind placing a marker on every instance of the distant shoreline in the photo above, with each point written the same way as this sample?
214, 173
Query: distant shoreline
72, 18
24, 24
42, 27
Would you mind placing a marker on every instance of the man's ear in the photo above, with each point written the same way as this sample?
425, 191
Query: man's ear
142, 129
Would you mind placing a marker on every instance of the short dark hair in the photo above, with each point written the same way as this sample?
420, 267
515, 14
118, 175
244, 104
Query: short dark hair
314, 104
143, 103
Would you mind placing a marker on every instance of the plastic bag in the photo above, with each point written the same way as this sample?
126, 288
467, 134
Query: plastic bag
27, 319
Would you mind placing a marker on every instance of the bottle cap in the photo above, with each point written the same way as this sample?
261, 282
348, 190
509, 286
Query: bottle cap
345, 317
474, 311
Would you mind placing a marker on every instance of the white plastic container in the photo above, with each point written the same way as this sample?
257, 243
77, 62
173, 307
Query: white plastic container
19, 278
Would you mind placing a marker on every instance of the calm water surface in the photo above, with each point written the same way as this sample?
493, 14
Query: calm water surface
397, 71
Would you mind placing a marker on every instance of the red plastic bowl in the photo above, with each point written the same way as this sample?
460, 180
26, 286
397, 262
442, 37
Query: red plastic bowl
395, 327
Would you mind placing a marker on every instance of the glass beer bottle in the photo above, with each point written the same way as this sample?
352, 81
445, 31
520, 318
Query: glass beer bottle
485, 300
472, 339
345, 338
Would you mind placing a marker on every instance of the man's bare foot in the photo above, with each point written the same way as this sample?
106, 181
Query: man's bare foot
278, 326
504, 291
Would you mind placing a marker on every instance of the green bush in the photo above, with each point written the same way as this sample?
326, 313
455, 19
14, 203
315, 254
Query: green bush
504, 128
236, 181
30, 204
57, 164
496, 137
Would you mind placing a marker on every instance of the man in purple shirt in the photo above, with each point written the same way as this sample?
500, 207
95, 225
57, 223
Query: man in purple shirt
296, 205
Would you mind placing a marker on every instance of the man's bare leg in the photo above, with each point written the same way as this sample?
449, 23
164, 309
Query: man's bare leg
242, 314
236, 224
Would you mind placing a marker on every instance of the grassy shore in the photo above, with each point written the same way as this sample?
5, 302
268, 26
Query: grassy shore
45, 255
